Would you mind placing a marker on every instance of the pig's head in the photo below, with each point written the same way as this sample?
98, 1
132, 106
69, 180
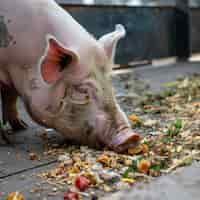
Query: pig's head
80, 101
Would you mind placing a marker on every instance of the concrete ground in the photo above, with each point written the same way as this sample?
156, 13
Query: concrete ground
181, 185
17, 170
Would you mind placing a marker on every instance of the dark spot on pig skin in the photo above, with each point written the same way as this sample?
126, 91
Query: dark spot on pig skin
5, 37
48, 108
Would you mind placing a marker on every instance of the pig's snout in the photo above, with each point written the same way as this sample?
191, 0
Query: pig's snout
119, 139
124, 139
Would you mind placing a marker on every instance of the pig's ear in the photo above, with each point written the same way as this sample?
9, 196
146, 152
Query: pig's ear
56, 60
110, 40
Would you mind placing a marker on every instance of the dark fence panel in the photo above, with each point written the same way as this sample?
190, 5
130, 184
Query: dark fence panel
155, 28
150, 32
182, 21
195, 30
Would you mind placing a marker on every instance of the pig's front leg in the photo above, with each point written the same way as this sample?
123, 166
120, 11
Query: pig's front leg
9, 109
4, 136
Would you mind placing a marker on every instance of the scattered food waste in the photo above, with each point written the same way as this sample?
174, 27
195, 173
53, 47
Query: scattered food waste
82, 183
15, 196
169, 123
71, 196
33, 156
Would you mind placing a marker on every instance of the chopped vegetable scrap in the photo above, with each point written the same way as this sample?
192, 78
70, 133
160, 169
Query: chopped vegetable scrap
15, 196
82, 183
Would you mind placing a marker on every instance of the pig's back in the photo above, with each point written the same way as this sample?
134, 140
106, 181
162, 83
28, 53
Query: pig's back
24, 25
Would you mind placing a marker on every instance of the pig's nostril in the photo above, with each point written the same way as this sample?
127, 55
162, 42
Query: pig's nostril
129, 143
133, 139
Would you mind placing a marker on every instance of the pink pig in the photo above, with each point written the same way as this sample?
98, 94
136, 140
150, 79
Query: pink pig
62, 74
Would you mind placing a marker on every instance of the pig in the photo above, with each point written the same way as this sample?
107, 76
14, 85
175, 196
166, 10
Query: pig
62, 74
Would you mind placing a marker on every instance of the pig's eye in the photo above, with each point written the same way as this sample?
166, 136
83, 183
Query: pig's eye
65, 61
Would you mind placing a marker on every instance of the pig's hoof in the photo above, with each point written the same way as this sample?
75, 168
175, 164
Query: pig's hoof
4, 136
18, 125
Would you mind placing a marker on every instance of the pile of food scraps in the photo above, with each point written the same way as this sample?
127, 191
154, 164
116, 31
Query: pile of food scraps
170, 123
